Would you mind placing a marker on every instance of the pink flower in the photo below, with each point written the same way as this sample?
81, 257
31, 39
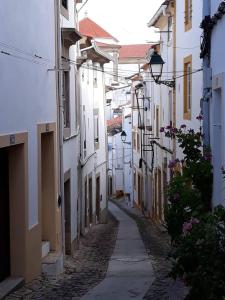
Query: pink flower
174, 130
172, 164
200, 117
162, 129
168, 127
195, 221
187, 226
183, 126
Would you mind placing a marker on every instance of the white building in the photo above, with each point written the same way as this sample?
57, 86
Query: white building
29, 186
93, 138
71, 122
38, 81
212, 52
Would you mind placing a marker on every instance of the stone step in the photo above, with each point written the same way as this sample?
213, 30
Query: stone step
45, 249
9, 285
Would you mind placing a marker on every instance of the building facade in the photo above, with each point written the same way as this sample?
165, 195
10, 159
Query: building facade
38, 129
28, 139
213, 90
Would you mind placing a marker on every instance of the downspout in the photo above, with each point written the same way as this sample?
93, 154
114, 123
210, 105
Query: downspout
174, 72
207, 85
60, 120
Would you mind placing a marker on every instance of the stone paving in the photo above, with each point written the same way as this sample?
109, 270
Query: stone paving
130, 270
157, 245
82, 273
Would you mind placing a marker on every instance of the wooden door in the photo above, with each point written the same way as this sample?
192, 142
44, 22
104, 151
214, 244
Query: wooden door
159, 198
4, 216
139, 190
85, 204
90, 200
98, 212
67, 208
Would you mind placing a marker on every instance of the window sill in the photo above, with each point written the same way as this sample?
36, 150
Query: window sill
65, 12
66, 132
187, 26
187, 115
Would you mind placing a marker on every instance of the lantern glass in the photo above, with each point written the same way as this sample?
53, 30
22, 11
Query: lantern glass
123, 136
156, 65
156, 70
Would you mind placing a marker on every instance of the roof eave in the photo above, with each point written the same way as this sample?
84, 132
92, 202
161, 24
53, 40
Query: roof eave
156, 17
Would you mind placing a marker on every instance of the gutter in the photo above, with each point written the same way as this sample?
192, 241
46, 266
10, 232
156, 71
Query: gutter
60, 122
157, 15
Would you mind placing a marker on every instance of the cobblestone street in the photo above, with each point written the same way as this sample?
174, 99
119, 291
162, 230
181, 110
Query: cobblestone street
157, 245
82, 272
89, 266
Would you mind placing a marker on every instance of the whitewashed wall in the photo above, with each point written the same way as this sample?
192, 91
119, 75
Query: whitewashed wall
71, 148
188, 43
217, 106
27, 88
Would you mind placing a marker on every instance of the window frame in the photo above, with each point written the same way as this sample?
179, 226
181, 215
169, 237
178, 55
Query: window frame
65, 10
96, 128
66, 102
188, 15
187, 85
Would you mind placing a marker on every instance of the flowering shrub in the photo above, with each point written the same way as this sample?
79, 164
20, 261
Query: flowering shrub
199, 258
197, 233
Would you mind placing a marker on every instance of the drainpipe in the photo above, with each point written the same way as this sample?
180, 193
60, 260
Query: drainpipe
207, 85
60, 119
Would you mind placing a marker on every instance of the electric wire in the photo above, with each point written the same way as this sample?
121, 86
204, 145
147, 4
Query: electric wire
86, 67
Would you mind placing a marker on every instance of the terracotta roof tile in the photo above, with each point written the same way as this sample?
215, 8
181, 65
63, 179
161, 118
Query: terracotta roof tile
134, 51
89, 28
115, 121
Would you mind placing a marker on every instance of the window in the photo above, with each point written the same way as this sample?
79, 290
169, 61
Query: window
188, 15
170, 28
187, 87
138, 142
84, 137
157, 123
134, 140
95, 76
65, 4
135, 184
66, 98
96, 128
170, 111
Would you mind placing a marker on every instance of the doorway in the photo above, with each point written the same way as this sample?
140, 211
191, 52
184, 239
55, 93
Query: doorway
98, 209
47, 189
13, 207
159, 195
85, 204
67, 197
139, 190
4, 215
90, 200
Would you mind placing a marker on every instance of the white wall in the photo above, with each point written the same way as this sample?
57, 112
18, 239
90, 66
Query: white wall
71, 147
95, 160
188, 43
217, 106
27, 88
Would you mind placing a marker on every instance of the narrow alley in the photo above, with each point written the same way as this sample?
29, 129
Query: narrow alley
112, 150
120, 260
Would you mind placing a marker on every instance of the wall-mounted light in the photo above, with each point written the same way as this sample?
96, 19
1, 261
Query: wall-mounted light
156, 67
124, 137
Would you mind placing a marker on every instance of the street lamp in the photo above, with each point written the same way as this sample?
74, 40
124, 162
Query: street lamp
124, 137
156, 67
